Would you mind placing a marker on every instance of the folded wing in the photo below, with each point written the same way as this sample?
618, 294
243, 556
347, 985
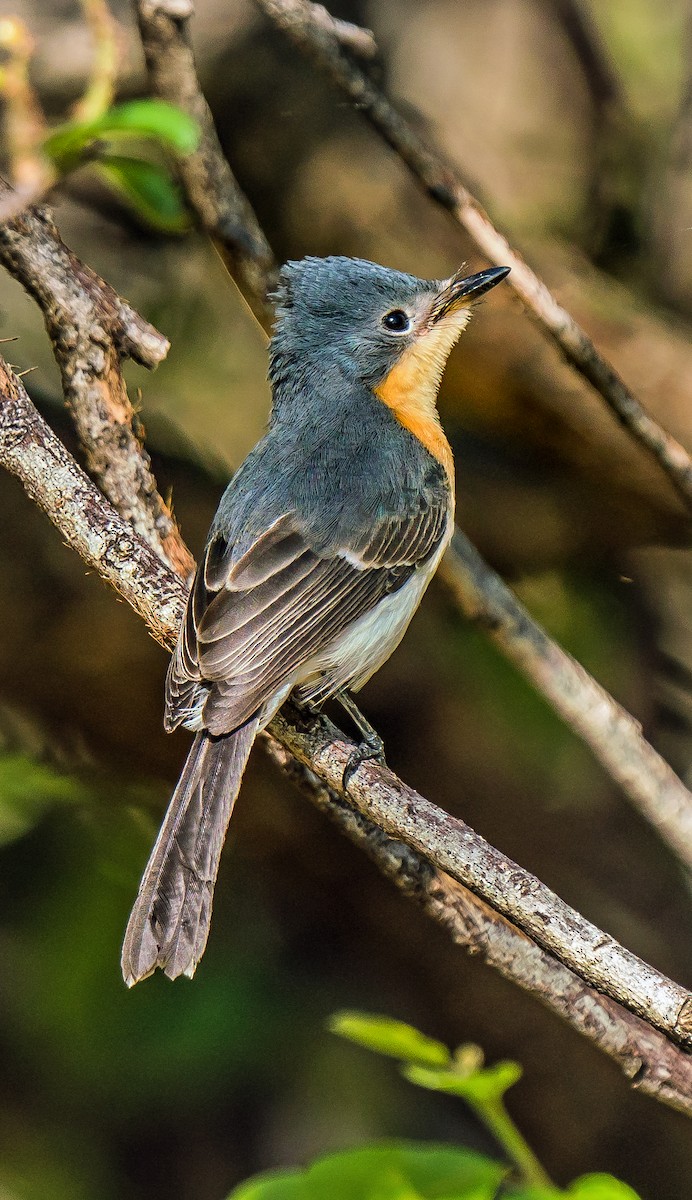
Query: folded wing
253, 618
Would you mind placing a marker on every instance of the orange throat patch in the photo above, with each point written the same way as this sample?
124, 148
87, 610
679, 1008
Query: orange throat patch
410, 389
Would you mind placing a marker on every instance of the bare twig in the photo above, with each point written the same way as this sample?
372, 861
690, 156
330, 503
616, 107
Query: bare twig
649, 1060
352, 37
31, 171
210, 186
15, 200
612, 734
91, 330
30, 450
443, 182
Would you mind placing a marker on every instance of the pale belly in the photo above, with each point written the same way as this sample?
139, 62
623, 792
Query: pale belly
364, 646
354, 656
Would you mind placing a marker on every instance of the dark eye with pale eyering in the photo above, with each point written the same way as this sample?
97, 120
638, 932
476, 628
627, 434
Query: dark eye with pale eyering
397, 321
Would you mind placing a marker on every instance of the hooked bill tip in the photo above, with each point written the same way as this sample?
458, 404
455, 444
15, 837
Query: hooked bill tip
458, 290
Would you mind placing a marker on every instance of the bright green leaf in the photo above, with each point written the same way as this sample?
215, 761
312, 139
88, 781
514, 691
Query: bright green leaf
385, 1036
600, 1187
479, 1087
394, 1171
536, 1193
588, 1187
151, 119
149, 190
275, 1185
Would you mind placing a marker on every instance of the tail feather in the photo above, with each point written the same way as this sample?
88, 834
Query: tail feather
169, 924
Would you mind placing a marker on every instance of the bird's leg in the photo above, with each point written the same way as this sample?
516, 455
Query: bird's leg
371, 746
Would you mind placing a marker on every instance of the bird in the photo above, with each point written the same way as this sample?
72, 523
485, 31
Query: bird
316, 560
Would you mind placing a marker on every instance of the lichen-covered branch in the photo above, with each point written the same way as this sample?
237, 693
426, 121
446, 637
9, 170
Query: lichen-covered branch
443, 182
104, 540
91, 331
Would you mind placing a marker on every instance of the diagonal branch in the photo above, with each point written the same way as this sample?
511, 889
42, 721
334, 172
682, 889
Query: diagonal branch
105, 540
91, 331
611, 733
589, 960
649, 1060
444, 184
453, 847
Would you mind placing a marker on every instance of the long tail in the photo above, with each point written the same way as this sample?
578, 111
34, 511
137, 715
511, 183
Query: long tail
169, 924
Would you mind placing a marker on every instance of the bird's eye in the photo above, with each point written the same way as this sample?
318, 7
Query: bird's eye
397, 321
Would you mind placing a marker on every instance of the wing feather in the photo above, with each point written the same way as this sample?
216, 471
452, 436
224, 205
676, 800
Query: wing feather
258, 612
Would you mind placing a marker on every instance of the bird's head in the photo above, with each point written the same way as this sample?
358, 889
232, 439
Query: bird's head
388, 330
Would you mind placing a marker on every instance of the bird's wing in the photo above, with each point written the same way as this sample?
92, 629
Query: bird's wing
253, 618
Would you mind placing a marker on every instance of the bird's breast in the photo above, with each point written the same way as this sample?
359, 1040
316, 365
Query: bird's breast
410, 392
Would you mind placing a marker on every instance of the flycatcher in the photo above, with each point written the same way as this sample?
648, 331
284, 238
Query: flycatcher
317, 558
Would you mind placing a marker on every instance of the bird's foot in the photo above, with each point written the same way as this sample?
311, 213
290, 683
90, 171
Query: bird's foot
370, 749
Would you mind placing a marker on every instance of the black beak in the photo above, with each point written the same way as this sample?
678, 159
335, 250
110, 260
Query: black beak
458, 290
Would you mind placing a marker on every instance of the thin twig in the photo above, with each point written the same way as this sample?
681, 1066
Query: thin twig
605, 87
103, 539
30, 450
352, 37
442, 181
211, 188
91, 330
611, 733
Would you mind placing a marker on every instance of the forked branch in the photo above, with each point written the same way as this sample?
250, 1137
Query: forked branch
92, 330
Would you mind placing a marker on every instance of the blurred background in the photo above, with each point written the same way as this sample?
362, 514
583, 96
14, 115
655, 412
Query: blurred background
573, 120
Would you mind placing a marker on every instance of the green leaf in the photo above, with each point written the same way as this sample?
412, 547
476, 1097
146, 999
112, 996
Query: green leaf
536, 1193
588, 1187
393, 1038
478, 1088
394, 1171
275, 1185
149, 190
600, 1187
151, 119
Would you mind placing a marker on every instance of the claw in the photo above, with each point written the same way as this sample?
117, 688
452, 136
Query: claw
370, 749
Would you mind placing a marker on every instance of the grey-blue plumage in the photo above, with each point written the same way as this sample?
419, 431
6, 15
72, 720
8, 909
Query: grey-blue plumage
317, 558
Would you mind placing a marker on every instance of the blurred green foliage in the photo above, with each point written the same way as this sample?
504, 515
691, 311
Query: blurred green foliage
416, 1171
147, 187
